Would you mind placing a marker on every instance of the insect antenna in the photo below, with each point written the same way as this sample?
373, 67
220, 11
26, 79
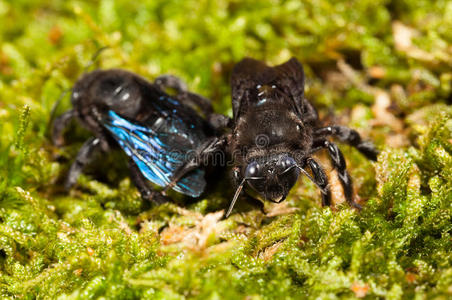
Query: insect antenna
53, 111
94, 58
237, 193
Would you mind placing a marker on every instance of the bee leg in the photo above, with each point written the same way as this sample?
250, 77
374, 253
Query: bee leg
202, 155
351, 137
310, 115
59, 125
321, 180
170, 81
147, 192
183, 95
219, 122
198, 101
98, 131
85, 155
338, 161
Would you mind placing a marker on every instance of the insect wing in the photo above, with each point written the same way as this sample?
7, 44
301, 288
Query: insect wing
291, 81
155, 158
249, 73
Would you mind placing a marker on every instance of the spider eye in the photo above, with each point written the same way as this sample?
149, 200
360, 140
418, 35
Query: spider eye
252, 170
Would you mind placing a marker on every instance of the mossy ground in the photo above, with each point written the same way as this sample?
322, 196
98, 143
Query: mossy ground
382, 67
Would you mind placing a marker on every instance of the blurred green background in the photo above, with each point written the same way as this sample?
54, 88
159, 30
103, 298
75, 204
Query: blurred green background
382, 67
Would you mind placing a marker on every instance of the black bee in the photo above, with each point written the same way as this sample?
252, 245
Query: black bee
164, 136
275, 130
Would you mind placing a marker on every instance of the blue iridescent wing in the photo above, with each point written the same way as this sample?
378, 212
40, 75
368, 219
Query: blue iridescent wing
153, 154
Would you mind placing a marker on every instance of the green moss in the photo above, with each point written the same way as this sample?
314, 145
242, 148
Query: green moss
102, 240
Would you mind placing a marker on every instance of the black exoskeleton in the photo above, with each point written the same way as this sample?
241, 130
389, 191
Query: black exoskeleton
165, 137
276, 131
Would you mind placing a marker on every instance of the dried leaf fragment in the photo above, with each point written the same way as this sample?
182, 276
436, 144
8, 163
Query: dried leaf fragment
359, 289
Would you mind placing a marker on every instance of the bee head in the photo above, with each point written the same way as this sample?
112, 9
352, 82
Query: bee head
272, 177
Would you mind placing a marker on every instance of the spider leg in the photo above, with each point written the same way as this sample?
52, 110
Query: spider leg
59, 125
85, 155
351, 137
146, 191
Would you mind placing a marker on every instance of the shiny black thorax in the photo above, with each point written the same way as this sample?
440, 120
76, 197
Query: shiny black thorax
136, 99
270, 128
